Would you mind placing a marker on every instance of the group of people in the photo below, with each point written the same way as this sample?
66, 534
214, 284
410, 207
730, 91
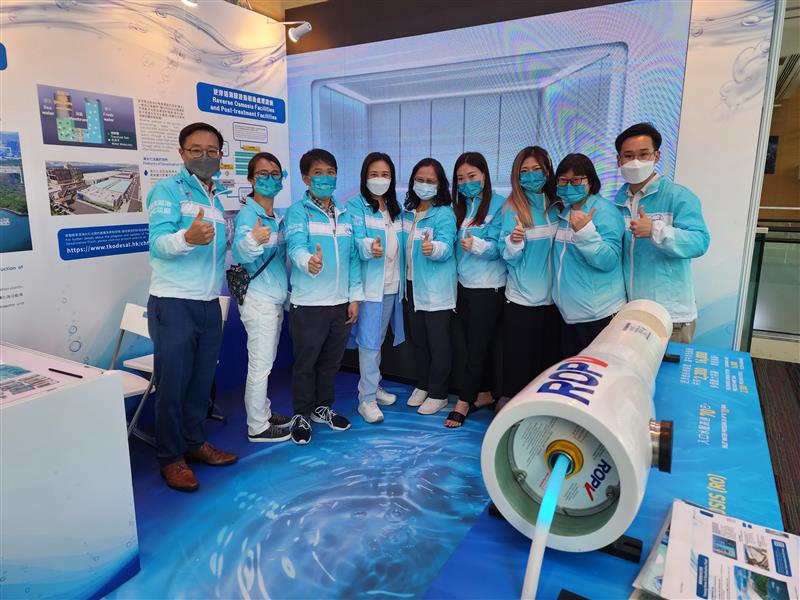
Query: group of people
531, 278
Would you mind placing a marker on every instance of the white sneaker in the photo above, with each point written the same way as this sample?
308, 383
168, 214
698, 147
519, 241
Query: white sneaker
432, 406
417, 397
385, 398
370, 412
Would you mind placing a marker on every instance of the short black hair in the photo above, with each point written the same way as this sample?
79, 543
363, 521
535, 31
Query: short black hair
442, 197
251, 166
637, 130
580, 164
194, 127
316, 155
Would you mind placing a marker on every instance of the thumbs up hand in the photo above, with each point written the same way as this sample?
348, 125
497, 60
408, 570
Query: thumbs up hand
427, 244
377, 249
578, 219
466, 241
315, 262
260, 232
199, 233
518, 233
643, 226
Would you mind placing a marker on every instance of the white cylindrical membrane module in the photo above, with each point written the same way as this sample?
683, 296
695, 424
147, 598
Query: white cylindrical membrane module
596, 408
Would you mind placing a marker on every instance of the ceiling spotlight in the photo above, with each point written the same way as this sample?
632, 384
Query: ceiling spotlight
190, 3
301, 28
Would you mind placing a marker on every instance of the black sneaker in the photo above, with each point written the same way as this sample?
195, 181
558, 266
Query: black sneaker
280, 420
301, 430
324, 414
273, 433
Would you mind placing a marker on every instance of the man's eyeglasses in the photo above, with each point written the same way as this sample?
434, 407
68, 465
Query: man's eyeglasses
644, 155
199, 152
573, 181
273, 174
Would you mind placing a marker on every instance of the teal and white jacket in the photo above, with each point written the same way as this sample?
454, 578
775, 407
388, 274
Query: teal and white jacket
588, 264
659, 267
368, 225
434, 283
272, 283
340, 279
481, 267
181, 270
530, 270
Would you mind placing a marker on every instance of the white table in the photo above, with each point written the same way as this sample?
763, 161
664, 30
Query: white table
66, 501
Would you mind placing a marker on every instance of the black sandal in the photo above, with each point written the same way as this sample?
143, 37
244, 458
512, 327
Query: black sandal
457, 417
491, 406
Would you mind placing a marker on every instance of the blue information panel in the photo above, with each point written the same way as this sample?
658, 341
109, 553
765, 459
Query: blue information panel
90, 242
239, 103
720, 460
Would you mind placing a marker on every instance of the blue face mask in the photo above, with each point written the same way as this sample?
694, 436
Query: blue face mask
322, 186
571, 194
532, 181
470, 189
268, 186
425, 191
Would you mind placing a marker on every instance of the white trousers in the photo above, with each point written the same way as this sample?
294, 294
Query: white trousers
262, 320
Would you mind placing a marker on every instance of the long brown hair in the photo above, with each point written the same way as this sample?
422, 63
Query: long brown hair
473, 159
517, 200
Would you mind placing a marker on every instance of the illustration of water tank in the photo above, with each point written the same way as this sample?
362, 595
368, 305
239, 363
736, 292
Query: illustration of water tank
597, 409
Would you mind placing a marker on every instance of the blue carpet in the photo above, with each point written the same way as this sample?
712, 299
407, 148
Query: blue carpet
371, 512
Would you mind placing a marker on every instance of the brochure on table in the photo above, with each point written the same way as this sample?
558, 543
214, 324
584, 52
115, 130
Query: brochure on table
702, 554
26, 373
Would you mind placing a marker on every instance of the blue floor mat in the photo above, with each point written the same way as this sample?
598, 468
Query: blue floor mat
371, 512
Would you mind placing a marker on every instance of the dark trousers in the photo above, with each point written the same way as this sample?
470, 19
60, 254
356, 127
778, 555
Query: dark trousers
319, 338
480, 313
577, 336
186, 338
430, 335
531, 343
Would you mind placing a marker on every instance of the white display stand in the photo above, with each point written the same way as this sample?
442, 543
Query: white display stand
67, 518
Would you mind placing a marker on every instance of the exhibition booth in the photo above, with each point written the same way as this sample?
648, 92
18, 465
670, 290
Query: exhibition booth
668, 489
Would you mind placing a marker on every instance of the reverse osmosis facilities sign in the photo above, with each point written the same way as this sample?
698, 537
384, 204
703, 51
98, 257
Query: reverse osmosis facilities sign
90, 121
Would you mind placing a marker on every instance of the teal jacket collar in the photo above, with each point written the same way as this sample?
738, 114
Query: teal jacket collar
652, 188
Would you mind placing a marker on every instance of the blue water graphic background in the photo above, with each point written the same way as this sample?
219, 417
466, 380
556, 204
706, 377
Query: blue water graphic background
372, 512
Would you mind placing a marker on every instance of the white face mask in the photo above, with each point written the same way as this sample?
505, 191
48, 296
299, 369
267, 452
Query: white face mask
425, 191
378, 185
636, 171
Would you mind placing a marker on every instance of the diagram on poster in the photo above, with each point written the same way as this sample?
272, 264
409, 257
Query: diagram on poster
77, 188
79, 118
15, 231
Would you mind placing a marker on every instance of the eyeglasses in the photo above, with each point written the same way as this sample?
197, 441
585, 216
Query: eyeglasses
273, 174
574, 181
644, 155
196, 152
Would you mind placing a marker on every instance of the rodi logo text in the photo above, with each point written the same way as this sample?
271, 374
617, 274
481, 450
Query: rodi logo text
598, 476
575, 378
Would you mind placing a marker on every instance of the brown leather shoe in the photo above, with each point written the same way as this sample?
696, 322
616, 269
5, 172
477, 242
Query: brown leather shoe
179, 476
211, 456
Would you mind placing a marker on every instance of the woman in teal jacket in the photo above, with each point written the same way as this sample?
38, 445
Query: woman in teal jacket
260, 239
377, 230
481, 283
587, 256
429, 232
529, 219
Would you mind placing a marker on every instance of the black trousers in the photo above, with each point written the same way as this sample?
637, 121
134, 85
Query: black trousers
319, 337
186, 335
531, 343
577, 336
480, 312
430, 335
